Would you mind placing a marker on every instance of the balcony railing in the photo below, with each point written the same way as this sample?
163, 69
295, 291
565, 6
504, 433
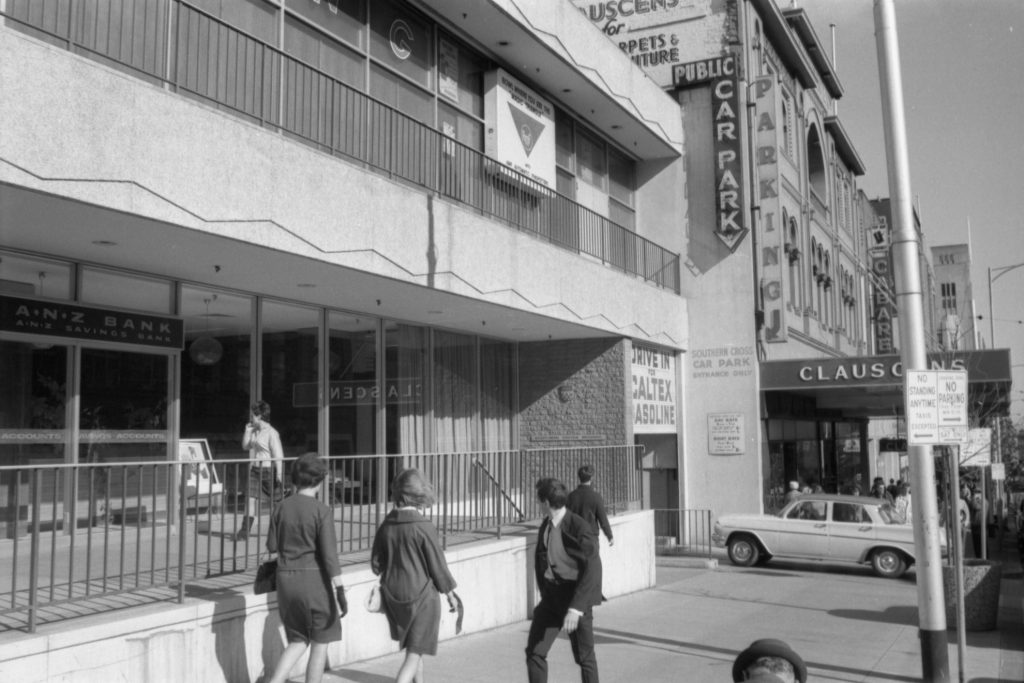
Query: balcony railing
173, 42
85, 538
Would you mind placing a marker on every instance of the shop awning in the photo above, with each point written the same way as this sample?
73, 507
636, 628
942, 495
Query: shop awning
869, 386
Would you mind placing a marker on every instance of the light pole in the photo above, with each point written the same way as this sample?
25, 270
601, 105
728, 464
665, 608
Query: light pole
999, 272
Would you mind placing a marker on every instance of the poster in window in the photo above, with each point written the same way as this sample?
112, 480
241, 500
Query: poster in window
201, 478
448, 70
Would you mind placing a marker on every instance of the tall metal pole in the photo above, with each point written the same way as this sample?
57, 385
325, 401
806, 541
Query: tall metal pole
909, 303
991, 320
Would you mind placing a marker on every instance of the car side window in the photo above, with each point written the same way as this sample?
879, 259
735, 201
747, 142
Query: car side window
850, 513
807, 510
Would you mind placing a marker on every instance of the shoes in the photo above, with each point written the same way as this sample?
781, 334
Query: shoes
244, 529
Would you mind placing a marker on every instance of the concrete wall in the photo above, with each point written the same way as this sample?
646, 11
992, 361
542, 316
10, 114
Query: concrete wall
234, 635
81, 130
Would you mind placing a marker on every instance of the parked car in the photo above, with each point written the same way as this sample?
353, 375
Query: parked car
823, 527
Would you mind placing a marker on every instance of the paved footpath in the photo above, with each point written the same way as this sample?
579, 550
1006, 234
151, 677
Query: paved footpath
847, 624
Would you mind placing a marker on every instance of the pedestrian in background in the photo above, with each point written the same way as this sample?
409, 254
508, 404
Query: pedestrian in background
310, 596
266, 466
407, 556
568, 574
793, 493
902, 505
771, 660
588, 503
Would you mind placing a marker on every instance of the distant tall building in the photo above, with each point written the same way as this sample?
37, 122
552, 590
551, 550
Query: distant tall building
955, 310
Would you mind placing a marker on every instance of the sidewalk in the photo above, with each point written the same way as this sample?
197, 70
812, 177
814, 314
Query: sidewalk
848, 625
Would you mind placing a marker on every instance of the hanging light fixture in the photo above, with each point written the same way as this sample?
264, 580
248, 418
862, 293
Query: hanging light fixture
206, 350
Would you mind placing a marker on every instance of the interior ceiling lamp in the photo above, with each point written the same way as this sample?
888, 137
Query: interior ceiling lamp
206, 350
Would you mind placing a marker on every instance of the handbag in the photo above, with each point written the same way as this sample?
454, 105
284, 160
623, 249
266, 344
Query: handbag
374, 603
266, 578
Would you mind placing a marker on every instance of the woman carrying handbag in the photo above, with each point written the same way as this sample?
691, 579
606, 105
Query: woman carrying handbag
407, 556
310, 596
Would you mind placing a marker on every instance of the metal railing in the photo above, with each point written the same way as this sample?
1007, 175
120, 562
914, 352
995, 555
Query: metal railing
683, 531
92, 532
174, 42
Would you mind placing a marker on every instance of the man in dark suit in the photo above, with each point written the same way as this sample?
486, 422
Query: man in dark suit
588, 503
568, 573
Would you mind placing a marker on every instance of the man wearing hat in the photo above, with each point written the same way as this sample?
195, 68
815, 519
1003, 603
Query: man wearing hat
769, 661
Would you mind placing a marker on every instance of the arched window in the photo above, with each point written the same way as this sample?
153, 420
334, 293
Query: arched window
793, 253
816, 165
826, 286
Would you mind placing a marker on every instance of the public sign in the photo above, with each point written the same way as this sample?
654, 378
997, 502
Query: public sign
976, 448
936, 406
998, 471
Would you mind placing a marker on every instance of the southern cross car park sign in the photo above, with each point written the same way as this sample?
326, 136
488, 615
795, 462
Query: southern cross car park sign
936, 406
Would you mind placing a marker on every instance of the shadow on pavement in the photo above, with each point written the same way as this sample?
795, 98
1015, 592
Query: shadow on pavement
905, 615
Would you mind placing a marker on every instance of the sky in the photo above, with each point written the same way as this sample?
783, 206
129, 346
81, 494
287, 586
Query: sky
961, 63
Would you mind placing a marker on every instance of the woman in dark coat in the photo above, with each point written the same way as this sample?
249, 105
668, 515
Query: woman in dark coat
408, 557
310, 596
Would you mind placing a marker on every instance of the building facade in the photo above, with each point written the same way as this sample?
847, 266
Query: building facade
410, 227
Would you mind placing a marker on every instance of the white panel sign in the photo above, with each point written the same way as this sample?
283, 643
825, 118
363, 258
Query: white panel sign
726, 433
654, 395
936, 403
520, 127
976, 449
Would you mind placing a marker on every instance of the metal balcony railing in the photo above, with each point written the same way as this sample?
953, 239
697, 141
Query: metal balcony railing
84, 538
196, 54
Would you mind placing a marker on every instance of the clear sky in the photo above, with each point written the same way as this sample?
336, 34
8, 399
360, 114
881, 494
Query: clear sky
962, 63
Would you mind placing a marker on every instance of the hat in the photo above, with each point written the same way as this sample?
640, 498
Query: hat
768, 647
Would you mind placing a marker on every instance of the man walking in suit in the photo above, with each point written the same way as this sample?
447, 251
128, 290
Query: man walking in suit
568, 573
588, 503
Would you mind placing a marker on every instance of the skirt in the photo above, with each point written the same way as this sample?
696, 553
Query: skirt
264, 486
307, 608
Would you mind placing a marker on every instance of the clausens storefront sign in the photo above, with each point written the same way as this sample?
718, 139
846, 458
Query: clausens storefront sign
69, 320
982, 366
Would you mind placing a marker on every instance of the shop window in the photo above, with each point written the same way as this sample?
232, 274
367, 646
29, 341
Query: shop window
289, 336
402, 41
33, 277
323, 53
123, 290
216, 370
460, 76
497, 395
344, 19
454, 382
406, 368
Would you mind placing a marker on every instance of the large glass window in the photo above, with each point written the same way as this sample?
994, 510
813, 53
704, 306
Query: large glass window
122, 290
497, 394
289, 382
455, 384
34, 277
33, 416
407, 365
215, 373
345, 19
402, 41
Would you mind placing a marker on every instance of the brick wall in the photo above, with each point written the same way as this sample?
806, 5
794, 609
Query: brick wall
573, 393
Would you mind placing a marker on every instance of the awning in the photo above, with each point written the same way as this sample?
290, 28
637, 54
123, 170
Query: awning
869, 386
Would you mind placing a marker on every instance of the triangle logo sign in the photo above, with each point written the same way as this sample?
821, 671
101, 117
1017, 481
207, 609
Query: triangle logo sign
528, 127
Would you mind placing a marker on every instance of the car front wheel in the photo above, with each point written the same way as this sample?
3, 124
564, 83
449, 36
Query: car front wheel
743, 551
887, 563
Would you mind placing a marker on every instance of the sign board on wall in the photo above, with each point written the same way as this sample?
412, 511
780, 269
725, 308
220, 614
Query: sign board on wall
727, 141
770, 229
520, 127
654, 396
652, 33
726, 434
76, 321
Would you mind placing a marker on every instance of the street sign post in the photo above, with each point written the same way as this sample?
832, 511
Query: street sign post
936, 406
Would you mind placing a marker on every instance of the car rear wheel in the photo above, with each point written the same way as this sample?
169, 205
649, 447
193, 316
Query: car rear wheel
743, 551
888, 563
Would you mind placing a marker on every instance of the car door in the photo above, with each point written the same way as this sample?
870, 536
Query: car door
850, 531
803, 531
